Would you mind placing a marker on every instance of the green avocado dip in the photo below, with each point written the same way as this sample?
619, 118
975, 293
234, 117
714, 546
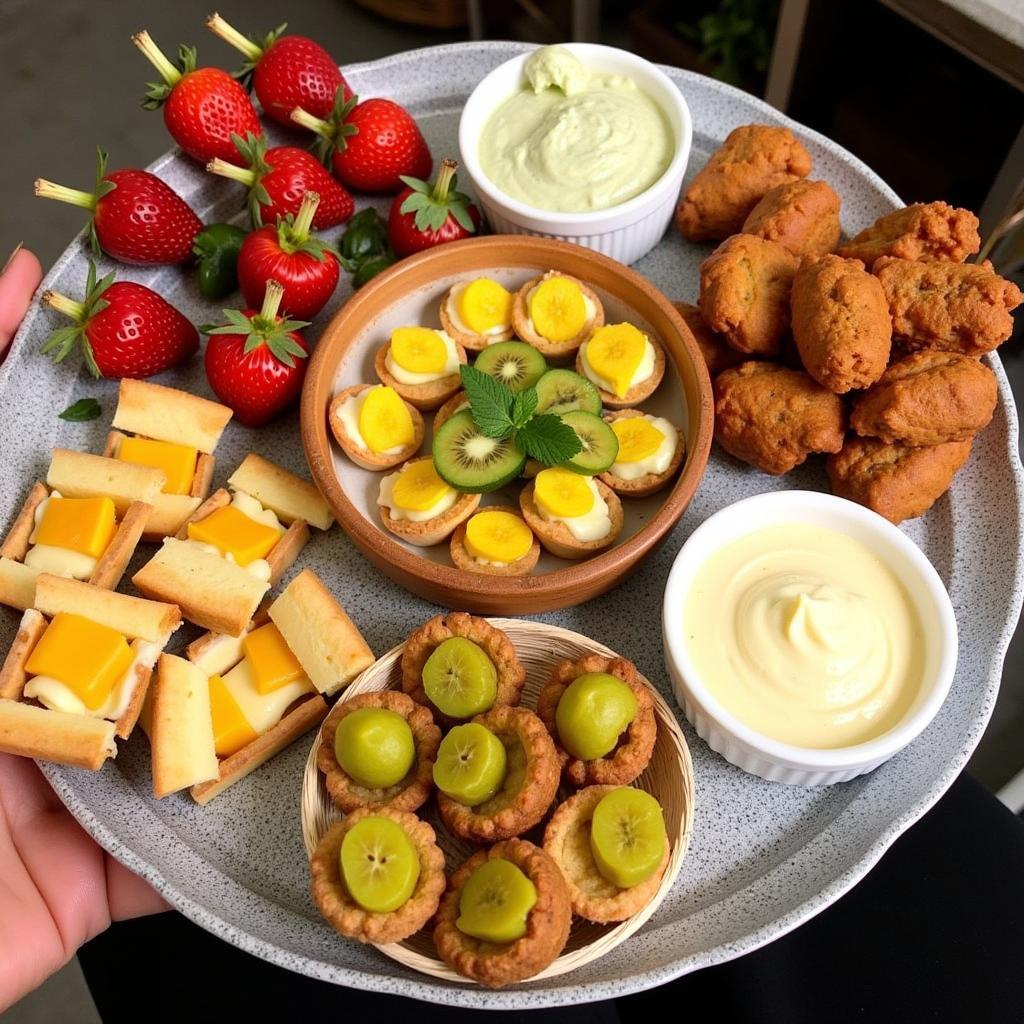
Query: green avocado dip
574, 140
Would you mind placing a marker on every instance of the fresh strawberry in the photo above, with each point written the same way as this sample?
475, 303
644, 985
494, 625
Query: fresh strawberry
203, 107
286, 71
305, 265
124, 329
136, 217
256, 362
371, 145
424, 215
278, 178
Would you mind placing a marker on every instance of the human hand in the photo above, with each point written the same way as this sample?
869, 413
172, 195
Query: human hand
18, 281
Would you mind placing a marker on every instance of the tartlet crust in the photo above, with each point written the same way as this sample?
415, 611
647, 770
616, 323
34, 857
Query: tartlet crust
495, 643
530, 785
470, 342
567, 842
554, 349
632, 753
465, 561
430, 531
449, 409
649, 482
409, 794
547, 924
558, 538
344, 914
423, 396
638, 392
364, 457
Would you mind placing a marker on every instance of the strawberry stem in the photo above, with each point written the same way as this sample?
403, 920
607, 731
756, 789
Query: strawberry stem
51, 190
168, 72
444, 180
243, 174
220, 28
314, 124
272, 301
64, 304
304, 218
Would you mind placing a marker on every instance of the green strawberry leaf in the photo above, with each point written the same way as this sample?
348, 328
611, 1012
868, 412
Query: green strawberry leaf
81, 411
548, 440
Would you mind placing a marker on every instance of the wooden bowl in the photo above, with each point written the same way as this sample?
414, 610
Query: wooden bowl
411, 291
668, 777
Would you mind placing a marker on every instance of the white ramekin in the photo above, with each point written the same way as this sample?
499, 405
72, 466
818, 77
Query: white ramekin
737, 742
626, 231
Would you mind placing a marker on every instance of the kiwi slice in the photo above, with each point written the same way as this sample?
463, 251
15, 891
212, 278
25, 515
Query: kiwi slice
514, 363
600, 445
470, 461
560, 391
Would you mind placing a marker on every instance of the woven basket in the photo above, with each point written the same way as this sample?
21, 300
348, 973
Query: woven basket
668, 777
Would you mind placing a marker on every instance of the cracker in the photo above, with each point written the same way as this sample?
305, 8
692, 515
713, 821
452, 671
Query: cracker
287, 495
167, 414
79, 740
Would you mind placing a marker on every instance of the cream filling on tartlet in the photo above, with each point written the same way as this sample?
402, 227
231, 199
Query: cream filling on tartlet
451, 365
348, 414
593, 525
588, 306
452, 309
52, 559
250, 506
658, 461
386, 499
644, 369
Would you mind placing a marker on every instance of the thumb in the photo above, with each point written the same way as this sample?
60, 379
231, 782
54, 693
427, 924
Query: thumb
18, 282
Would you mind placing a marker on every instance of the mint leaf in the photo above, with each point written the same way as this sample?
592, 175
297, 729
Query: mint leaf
81, 411
490, 402
524, 405
547, 439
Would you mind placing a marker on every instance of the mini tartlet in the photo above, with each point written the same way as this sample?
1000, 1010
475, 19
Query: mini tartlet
464, 559
522, 318
427, 395
529, 787
650, 482
345, 915
361, 453
461, 332
547, 924
557, 538
636, 393
511, 676
632, 753
426, 532
456, 403
409, 794
567, 842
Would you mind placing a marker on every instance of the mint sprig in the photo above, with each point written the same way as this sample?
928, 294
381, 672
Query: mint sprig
82, 411
500, 413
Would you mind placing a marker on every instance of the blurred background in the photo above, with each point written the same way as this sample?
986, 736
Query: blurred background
927, 92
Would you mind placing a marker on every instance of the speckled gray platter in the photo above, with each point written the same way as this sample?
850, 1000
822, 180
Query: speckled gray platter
763, 857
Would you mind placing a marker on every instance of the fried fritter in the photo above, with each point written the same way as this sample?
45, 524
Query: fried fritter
922, 231
713, 347
840, 323
929, 397
957, 307
801, 215
773, 417
744, 293
895, 480
752, 160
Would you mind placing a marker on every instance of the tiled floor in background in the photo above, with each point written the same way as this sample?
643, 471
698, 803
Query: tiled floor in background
70, 79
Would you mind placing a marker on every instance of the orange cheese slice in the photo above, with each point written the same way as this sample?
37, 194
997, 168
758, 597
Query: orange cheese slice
231, 730
178, 461
78, 524
233, 533
270, 659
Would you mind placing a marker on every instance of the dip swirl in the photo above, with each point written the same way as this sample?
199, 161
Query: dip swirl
574, 140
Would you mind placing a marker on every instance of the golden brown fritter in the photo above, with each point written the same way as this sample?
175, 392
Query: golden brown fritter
929, 397
958, 307
773, 417
752, 160
713, 347
744, 293
840, 323
895, 480
801, 215
922, 231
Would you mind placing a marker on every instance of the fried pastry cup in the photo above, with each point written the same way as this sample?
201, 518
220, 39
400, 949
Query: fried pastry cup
424, 396
649, 483
640, 391
567, 842
462, 559
409, 794
365, 457
344, 914
431, 531
554, 350
455, 404
547, 924
531, 781
494, 642
632, 753
467, 339
558, 538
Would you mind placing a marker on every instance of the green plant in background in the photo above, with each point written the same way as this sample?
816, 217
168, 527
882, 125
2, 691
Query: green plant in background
735, 38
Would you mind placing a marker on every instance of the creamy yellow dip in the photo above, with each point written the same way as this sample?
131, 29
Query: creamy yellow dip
805, 635
573, 139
